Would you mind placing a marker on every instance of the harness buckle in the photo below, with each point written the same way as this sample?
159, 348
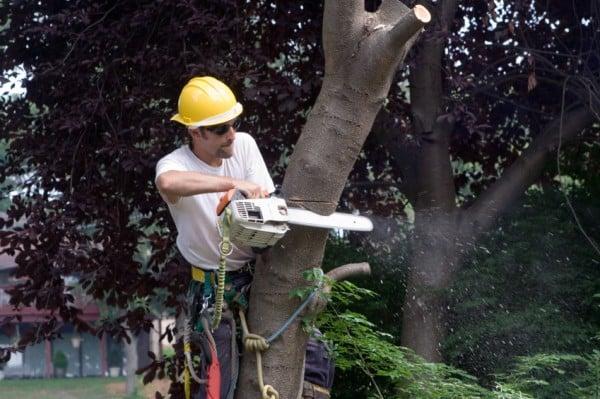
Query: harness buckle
226, 247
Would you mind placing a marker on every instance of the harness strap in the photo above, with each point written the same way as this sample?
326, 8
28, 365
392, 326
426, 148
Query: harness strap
188, 368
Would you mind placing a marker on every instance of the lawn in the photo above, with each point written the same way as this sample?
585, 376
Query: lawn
70, 388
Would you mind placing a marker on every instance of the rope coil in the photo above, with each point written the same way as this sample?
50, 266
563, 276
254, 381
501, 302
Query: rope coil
257, 344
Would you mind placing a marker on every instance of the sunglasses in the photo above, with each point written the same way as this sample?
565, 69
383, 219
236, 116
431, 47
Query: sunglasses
222, 129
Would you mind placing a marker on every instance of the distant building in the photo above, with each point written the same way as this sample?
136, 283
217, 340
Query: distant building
87, 355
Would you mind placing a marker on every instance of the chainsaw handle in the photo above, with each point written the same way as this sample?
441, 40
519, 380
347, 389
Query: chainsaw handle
225, 200
228, 197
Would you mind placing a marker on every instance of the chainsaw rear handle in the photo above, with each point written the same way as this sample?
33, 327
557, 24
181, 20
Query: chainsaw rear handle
230, 196
225, 200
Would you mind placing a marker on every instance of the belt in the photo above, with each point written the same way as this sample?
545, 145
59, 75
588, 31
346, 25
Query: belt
199, 274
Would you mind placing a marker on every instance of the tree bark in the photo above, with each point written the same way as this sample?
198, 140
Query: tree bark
362, 53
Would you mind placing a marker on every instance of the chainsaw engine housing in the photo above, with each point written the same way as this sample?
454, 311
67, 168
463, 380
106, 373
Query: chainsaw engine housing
258, 223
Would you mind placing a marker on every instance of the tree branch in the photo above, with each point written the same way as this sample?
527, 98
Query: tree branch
409, 25
350, 270
522, 173
426, 93
339, 273
446, 12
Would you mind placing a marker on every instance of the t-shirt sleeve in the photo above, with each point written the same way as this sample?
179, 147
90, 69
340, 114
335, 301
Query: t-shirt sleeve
256, 170
167, 163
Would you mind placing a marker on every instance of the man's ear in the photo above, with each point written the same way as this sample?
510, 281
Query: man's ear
202, 132
194, 131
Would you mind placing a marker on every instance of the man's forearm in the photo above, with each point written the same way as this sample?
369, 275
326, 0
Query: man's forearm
183, 184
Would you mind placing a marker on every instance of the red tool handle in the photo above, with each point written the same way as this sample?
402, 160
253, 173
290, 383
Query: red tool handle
225, 200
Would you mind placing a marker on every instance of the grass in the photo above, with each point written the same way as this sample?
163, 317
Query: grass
66, 388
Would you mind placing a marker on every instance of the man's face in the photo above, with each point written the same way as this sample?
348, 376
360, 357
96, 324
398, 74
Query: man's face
218, 140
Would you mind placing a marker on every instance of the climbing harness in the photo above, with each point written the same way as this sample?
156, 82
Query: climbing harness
200, 315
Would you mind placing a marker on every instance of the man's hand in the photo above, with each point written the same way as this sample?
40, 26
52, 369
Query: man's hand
250, 189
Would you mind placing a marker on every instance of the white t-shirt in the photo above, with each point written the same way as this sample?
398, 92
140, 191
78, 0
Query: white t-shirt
195, 216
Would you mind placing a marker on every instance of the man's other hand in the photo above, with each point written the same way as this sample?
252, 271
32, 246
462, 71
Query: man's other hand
251, 190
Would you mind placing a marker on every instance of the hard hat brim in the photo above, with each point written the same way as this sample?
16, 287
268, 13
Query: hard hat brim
177, 118
213, 120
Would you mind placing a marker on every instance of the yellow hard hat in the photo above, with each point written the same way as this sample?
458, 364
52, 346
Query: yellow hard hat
206, 101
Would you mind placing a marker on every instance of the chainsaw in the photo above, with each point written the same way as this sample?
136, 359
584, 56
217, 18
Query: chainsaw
261, 222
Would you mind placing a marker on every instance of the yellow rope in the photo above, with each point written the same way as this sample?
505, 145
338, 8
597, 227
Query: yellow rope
225, 248
257, 344
187, 383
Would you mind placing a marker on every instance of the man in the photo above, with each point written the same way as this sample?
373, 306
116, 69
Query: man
217, 159
192, 178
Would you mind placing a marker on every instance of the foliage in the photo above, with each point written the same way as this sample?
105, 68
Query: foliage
556, 375
389, 371
536, 330
59, 360
529, 290
102, 78
388, 260
168, 352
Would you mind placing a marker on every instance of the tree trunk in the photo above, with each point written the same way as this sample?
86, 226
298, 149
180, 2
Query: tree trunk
433, 257
132, 364
362, 52
432, 265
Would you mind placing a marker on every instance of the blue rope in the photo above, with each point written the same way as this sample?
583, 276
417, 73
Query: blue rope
289, 321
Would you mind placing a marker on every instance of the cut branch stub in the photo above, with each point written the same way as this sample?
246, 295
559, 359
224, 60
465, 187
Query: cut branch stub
409, 25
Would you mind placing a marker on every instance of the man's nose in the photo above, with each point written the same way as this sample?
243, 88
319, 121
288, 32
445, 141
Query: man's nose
231, 133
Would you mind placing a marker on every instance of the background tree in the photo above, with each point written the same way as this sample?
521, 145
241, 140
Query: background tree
479, 97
